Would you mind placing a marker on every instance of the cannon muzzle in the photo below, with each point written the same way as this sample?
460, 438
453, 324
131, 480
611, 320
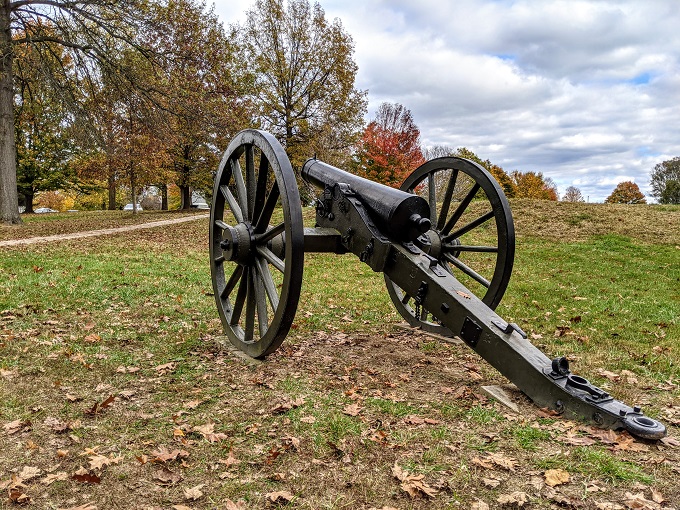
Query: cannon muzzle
401, 215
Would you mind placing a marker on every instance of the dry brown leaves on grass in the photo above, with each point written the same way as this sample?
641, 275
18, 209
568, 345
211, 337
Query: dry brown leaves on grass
412, 484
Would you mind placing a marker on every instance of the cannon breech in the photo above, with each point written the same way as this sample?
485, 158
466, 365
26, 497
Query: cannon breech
417, 236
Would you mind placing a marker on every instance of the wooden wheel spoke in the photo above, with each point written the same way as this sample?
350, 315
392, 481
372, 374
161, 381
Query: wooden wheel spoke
265, 252
467, 270
470, 226
446, 205
250, 180
240, 300
261, 297
233, 203
460, 209
476, 249
268, 282
266, 214
231, 283
221, 224
261, 190
270, 234
432, 197
251, 302
241, 193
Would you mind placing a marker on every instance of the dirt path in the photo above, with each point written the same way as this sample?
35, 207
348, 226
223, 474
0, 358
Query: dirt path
101, 232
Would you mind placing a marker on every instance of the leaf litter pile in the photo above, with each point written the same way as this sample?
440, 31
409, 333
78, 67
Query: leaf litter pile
383, 419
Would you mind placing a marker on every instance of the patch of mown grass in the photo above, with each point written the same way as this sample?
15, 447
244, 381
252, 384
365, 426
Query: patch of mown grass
528, 437
483, 415
392, 408
597, 463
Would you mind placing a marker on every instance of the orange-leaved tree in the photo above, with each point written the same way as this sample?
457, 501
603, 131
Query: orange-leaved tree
389, 149
534, 185
626, 192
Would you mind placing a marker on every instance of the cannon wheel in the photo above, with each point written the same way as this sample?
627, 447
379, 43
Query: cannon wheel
463, 199
256, 243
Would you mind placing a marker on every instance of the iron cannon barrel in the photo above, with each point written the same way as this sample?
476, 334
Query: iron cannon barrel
403, 216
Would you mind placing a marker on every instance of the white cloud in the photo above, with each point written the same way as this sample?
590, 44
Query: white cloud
587, 92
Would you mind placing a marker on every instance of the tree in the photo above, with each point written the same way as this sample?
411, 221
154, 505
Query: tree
204, 83
626, 192
664, 176
390, 146
533, 185
671, 193
304, 79
91, 34
43, 144
496, 171
573, 194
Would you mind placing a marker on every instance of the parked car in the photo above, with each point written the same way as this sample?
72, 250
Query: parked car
43, 210
130, 207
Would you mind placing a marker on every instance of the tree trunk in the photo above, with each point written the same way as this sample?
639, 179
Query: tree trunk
133, 188
9, 197
186, 196
112, 191
29, 202
164, 197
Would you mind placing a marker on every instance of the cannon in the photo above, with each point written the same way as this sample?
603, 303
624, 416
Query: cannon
445, 243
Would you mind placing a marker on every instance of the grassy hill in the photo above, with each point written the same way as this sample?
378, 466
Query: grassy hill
117, 393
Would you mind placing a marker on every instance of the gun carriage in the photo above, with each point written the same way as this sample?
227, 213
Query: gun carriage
445, 243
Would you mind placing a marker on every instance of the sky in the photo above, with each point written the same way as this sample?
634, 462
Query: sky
586, 92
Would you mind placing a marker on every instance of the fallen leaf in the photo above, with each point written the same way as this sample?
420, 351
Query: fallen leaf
639, 502
308, 419
29, 473
86, 506
18, 496
230, 460
657, 497
163, 455
167, 477
606, 505
670, 441
577, 440
479, 505
17, 426
194, 493
412, 484
59, 476
491, 483
97, 407
612, 376
193, 404
554, 477
518, 499
499, 460
101, 461
86, 478
181, 507
352, 410
165, 368
280, 497
208, 432
239, 505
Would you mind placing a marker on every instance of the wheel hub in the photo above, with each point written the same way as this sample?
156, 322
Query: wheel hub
236, 243
431, 243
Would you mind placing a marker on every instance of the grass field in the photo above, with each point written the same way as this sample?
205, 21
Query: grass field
116, 392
